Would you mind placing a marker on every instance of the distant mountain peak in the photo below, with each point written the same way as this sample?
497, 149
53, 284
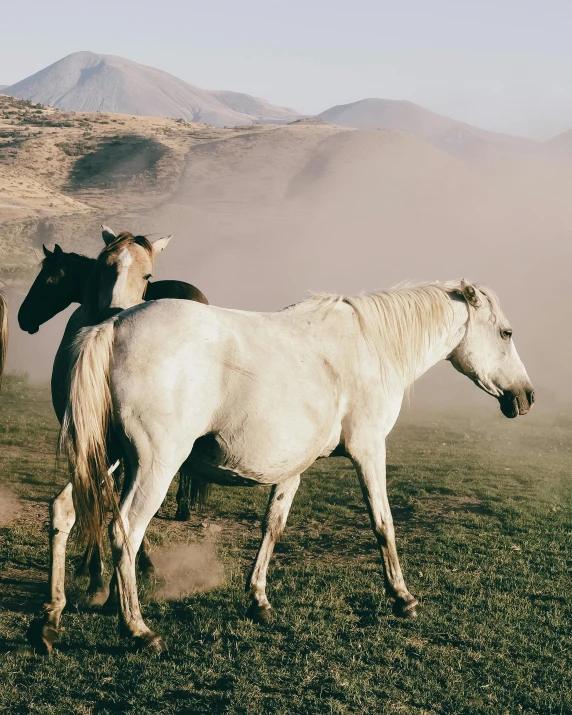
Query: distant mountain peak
91, 82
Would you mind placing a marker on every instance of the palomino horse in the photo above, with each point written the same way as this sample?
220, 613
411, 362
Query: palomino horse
3, 332
117, 281
63, 280
255, 398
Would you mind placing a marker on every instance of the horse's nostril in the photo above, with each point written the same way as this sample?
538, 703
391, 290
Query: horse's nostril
531, 397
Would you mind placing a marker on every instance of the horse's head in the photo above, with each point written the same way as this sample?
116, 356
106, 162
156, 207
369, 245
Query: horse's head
487, 353
58, 285
122, 271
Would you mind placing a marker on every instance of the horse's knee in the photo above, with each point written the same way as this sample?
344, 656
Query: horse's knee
62, 511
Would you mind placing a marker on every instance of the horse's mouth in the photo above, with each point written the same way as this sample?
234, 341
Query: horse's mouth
33, 331
509, 405
514, 405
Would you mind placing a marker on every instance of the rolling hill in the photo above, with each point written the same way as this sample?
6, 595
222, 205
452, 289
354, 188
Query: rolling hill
89, 82
455, 137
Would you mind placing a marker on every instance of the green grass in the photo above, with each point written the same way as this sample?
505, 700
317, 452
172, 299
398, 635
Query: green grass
482, 507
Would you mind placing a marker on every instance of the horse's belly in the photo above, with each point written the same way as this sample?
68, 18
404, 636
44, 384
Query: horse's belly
220, 475
264, 458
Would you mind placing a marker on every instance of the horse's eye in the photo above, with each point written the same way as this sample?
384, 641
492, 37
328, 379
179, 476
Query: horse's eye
506, 333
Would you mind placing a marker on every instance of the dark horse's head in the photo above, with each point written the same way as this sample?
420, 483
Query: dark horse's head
60, 283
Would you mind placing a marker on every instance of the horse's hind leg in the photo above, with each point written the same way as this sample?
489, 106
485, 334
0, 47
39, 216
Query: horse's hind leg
97, 590
281, 499
370, 466
83, 568
44, 630
142, 499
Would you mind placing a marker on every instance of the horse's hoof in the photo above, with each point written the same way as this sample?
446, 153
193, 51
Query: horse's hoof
183, 513
42, 635
405, 608
99, 597
259, 614
151, 643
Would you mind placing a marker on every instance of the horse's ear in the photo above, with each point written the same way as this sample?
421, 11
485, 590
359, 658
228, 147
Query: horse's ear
470, 294
57, 250
160, 244
107, 234
47, 252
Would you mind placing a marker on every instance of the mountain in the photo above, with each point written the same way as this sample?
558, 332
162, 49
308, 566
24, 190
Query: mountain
448, 134
560, 145
89, 82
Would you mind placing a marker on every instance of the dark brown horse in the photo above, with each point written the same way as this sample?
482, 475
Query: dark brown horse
63, 280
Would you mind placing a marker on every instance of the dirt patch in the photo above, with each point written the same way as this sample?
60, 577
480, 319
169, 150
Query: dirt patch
10, 507
117, 160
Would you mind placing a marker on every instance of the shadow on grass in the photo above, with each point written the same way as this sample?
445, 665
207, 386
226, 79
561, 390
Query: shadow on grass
21, 596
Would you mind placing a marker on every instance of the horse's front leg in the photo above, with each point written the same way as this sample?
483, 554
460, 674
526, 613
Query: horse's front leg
370, 464
44, 630
281, 499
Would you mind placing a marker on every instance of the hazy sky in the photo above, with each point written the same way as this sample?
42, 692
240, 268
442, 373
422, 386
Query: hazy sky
500, 64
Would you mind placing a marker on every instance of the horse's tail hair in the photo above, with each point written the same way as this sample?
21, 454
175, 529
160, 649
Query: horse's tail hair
85, 430
3, 333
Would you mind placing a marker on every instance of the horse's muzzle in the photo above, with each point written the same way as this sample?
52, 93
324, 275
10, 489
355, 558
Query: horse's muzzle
517, 402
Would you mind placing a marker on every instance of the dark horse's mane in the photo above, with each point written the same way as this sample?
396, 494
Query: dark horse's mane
79, 257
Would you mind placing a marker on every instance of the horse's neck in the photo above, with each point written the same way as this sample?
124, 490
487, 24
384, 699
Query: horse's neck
80, 273
445, 343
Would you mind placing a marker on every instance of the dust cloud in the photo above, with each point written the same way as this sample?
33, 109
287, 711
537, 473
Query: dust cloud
10, 507
185, 569
262, 218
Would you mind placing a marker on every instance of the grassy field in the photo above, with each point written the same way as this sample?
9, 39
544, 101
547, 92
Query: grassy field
482, 507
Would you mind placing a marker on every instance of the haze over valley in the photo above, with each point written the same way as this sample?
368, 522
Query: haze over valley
361, 197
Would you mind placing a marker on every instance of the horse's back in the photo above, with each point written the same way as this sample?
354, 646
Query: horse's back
174, 289
240, 375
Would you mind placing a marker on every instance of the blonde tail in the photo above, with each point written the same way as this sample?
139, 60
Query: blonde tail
85, 430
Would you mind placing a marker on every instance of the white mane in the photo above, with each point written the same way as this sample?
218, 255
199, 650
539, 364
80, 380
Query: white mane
402, 323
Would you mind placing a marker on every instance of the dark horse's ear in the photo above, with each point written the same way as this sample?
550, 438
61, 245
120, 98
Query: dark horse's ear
107, 234
57, 250
47, 252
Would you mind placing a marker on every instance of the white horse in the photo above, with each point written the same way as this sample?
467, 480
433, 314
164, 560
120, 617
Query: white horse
255, 398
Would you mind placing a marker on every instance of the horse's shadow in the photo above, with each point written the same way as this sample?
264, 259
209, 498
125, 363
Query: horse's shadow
21, 596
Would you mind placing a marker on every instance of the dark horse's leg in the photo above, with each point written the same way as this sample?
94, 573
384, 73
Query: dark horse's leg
185, 493
88, 567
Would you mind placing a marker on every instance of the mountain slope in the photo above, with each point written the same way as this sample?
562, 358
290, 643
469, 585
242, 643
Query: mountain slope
448, 134
89, 82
